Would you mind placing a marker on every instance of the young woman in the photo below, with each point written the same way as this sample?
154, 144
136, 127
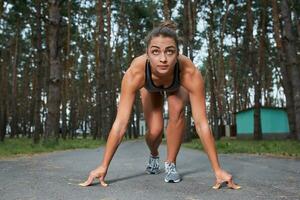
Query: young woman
163, 71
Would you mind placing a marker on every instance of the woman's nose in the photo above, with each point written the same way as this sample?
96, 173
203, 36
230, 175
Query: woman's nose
163, 57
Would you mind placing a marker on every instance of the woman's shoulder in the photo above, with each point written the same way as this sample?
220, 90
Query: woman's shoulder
190, 75
186, 64
137, 65
139, 61
136, 70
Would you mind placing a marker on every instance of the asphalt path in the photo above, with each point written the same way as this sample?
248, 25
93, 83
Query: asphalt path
56, 176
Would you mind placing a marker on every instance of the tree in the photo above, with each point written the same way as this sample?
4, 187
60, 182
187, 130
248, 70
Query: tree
54, 96
287, 85
38, 76
289, 41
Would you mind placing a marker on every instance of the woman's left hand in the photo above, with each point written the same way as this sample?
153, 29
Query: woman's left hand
224, 177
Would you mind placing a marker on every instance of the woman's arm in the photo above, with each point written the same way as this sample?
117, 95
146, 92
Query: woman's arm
119, 127
130, 84
197, 100
193, 82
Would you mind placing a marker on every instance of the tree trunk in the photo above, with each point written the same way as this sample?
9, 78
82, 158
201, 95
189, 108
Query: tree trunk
289, 42
189, 31
38, 78
258, 72
25, 105
109, 73
3, 98
1, 8
212, 73
185, 27
233, 65
221, 72
255, 72
14, 87
288, 91
166, 10
100, 70
54, 96
66, 86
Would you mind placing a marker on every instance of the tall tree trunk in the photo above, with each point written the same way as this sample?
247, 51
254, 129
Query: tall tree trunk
233, 65
73, 110
211, 73
54, 96
258, 71
166, 10
189, 31
185, 27
287, 85
85, 106
1, 8
66, 78
289, 42
110, 72
255, 72
38, 78
14, 95
3, 98
100, 70
296, 21
25, 105
221, 72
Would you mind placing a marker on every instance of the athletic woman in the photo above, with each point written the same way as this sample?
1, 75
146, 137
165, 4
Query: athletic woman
160, 72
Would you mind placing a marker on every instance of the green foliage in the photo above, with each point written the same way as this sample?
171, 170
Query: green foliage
21, 146
50, 142
269, 147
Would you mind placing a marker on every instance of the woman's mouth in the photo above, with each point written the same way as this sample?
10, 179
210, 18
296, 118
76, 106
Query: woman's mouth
163, 66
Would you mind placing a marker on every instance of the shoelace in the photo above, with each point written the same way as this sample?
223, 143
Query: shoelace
154, 163
171, 168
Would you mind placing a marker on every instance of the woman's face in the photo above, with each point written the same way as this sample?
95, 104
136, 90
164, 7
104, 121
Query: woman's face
162, 53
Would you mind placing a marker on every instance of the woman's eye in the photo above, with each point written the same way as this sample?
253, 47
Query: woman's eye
155, 52
170, 52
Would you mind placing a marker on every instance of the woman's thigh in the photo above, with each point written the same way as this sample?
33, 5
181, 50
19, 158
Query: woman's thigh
153, 110
177, 102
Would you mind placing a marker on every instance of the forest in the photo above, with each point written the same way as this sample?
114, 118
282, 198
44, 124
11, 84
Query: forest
62, 61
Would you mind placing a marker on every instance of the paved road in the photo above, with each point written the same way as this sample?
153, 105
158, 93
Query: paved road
56, 175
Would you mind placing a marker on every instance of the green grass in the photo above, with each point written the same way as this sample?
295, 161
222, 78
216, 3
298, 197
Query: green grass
24, 146
287, 148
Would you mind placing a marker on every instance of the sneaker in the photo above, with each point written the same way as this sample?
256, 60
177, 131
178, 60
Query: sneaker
172, 176
153, 165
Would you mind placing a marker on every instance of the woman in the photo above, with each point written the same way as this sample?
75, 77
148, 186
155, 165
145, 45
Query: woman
162, 71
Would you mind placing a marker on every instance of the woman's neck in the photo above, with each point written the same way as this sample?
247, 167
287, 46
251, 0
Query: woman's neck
164, 80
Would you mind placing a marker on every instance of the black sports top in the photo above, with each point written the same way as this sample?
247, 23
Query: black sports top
149, 85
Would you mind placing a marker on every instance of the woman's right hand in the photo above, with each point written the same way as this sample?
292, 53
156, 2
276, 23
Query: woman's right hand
100, 173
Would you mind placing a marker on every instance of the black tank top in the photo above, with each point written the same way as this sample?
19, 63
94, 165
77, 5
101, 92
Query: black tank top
149, 85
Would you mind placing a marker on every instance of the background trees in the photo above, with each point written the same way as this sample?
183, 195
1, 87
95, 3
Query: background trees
62, 61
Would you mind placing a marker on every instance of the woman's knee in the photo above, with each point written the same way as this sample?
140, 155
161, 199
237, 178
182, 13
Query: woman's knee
176, 104
155, 131
176, 112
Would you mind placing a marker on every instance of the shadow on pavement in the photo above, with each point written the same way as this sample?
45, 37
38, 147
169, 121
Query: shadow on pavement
126, 177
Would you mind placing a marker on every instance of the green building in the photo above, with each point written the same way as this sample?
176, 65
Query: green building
274, 122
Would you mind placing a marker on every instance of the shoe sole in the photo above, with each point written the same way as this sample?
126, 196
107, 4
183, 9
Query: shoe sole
152, 173
172, 181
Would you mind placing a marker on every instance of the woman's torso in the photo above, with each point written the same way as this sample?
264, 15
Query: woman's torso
150, 85
138, 70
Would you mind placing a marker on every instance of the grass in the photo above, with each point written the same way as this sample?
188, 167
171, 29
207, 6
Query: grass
25, 146
287, 148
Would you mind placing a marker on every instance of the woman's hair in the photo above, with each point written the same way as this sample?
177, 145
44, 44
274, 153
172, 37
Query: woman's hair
165, 29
